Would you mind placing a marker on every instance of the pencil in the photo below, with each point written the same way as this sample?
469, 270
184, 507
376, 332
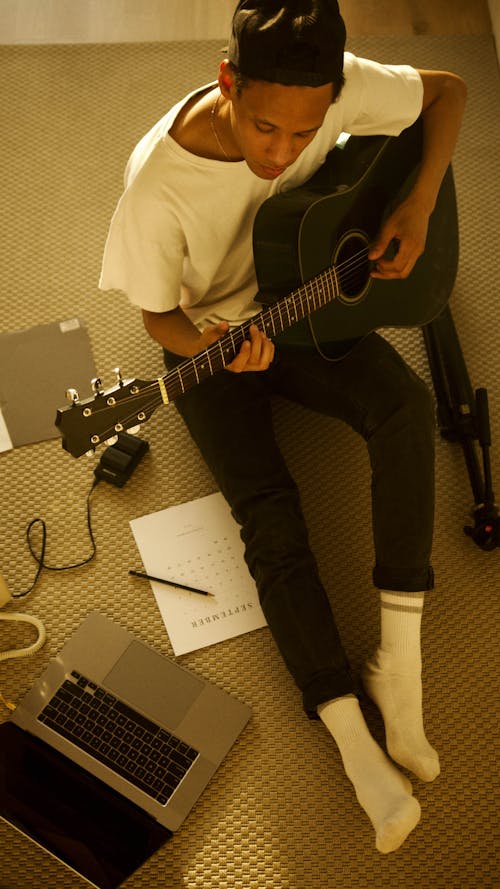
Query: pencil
181, 586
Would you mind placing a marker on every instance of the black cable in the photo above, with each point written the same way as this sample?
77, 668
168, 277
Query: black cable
40, 558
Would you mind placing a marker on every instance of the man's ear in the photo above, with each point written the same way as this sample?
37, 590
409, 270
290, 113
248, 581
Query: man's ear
225, 79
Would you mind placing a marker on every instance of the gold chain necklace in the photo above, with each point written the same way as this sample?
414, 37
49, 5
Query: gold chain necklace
214, 131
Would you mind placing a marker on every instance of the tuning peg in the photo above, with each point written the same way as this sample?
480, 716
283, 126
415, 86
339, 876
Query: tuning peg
96, 385
111, 441
90, 453
119, 377
72, 395
134, 429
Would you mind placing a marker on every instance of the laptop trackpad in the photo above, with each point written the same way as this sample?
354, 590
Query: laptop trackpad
155, 685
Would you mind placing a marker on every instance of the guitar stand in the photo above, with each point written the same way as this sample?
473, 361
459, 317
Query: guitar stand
463, 417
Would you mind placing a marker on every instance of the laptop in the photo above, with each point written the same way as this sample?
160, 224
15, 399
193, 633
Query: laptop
106, 755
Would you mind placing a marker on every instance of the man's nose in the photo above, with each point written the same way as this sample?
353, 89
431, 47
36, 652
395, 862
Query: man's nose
282, 151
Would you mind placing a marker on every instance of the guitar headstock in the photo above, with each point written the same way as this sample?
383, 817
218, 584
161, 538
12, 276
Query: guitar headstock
86, 424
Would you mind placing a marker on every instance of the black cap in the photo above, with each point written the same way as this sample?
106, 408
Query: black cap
299, 43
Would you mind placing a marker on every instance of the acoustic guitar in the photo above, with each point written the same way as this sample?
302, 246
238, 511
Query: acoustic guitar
311, 256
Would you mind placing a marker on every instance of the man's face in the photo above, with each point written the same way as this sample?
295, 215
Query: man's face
272, 123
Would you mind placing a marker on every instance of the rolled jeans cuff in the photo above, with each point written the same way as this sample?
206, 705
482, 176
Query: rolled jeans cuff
327, 686
385, 579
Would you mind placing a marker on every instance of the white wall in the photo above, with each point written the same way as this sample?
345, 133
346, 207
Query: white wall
113, 21
494, 6
123, 21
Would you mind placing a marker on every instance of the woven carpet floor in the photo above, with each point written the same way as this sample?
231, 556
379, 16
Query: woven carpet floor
280, 813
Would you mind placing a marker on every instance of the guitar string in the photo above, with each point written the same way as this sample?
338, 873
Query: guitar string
275, 312
190, 374
329, 275
214, 351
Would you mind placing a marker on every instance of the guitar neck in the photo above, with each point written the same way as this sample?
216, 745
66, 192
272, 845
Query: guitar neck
86, 424
279, 317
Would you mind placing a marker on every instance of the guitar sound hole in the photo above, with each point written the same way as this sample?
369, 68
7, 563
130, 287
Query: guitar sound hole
352, 266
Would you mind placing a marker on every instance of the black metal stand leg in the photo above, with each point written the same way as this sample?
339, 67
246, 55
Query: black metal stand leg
463, 417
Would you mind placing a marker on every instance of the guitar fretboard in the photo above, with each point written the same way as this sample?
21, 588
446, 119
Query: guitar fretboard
300, 303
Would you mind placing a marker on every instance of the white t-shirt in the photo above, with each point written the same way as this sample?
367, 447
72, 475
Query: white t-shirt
182, 231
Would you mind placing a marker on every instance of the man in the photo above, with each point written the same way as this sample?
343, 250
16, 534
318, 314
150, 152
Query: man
180, 246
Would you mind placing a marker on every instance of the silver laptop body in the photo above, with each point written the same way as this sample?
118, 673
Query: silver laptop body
204, 721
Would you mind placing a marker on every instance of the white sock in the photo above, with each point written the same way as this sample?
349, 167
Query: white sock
393, 679
382, 791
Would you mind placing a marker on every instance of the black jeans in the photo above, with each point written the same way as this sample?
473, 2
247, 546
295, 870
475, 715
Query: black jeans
375, 392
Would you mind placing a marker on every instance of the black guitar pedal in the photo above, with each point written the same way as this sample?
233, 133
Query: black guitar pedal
119, 461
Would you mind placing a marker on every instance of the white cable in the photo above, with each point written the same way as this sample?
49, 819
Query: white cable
30, 649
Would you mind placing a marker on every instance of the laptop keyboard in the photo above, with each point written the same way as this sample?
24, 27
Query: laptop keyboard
131, 745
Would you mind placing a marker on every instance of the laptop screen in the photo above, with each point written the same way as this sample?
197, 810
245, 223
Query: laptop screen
76, 817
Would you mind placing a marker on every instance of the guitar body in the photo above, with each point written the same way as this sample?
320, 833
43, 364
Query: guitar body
334, 216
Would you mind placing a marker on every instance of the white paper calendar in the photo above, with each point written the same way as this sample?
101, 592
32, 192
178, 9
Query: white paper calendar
198, 544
